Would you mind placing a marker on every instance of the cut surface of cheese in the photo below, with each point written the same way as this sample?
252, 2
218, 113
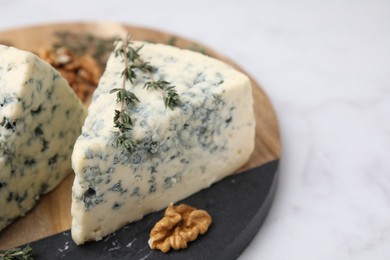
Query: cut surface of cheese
178, 152
40, 120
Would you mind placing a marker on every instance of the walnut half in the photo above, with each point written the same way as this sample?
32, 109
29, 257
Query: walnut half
81, 72
180, 225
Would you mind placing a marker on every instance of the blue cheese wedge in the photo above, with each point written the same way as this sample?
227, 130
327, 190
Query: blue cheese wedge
40, 120
179, 151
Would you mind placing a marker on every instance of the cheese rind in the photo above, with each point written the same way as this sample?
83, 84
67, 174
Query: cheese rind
179, 152
40, 120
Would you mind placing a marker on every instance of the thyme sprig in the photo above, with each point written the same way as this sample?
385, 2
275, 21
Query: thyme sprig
17, 254
122, 119
133, 66
170, 96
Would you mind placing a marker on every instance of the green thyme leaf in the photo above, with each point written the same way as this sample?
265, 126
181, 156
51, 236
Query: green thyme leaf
17, 254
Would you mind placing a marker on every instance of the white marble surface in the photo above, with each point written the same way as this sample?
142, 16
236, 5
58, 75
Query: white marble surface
326, 67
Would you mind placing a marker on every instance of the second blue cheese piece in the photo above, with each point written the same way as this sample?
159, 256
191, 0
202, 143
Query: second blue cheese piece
40, 120
179, 151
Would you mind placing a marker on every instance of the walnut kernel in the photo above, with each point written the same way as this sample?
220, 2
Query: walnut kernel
81, 72
180, 225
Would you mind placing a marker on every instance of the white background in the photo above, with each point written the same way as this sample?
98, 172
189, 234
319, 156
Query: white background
326, 67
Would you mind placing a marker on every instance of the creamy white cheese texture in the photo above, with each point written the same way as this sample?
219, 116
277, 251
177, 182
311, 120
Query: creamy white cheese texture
40, 120
179, 152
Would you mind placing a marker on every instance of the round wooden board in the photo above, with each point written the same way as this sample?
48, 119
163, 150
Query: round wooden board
52, 212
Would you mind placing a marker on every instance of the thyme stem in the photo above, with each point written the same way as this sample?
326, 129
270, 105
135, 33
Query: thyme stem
124, 47
133, 66
17, 254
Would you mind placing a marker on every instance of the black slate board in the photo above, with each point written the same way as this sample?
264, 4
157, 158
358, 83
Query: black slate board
238, 205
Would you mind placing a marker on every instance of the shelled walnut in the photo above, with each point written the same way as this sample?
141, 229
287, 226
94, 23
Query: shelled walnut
81, 72
180, 225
